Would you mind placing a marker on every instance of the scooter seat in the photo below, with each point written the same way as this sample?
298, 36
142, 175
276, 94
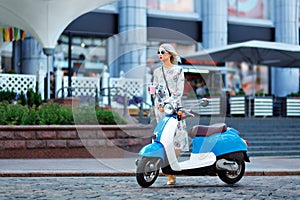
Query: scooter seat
206, 131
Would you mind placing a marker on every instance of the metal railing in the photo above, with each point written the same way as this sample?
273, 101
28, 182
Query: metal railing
114, 92
70, 91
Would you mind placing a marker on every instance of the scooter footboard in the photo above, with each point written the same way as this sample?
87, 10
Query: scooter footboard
220, 143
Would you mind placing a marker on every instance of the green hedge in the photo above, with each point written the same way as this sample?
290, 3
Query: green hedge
56, 114
90, 115
31, 98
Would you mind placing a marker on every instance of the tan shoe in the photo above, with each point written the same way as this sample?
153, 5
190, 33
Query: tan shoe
171, 180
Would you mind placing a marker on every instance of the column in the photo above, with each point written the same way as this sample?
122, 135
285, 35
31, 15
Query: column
33, 57
214, 19
286, 80
59, 74
34, 61
112, 56
132, 36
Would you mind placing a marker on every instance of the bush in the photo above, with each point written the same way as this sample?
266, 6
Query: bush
15, 114
52, 113
241, 92
30, 117
296, 94
56, 114
109, 117
85, 115
33, 97
91, 115
7, 96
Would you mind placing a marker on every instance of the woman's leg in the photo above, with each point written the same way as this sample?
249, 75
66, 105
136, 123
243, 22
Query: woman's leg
172, 178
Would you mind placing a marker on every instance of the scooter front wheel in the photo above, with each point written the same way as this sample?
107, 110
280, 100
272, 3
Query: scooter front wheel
232, 177
147, 171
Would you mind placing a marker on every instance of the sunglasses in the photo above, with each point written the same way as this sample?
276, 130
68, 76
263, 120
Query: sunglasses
162, 52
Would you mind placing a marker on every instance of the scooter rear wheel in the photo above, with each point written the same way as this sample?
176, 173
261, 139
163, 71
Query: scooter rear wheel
147, 171
232, 177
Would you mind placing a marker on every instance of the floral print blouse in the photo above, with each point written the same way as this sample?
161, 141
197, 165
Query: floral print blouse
174, 78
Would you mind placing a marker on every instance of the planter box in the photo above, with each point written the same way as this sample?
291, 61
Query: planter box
237, 105
292, 106
82, 141
263, 106
68, 101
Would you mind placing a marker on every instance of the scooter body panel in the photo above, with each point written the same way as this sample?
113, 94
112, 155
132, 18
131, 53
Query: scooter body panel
153, 150
156, 148
220, 143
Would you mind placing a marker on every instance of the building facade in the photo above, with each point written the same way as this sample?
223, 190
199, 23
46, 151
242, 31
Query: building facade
123, 37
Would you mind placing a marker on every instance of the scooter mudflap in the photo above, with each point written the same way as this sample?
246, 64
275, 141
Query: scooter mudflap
198, 160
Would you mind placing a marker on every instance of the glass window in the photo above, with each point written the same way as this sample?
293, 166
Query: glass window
241, 77
248, 8
299, 11
172, 5
88, 55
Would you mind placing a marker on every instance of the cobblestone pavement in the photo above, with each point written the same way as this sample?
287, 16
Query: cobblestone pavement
250, 187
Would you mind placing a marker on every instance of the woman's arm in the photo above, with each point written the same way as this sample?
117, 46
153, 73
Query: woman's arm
180, 83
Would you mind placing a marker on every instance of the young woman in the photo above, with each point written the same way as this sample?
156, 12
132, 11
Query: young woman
171, 76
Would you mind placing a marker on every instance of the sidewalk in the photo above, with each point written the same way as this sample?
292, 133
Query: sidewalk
259, 166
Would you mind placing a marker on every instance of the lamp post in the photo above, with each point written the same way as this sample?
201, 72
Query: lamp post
49, 53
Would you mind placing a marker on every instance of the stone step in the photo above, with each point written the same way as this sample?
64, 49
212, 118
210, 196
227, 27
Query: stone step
268, 130
290, 153
271, 138
274, 148
266, 136
274, 143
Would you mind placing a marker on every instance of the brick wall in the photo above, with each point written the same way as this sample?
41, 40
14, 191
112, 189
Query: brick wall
84, 141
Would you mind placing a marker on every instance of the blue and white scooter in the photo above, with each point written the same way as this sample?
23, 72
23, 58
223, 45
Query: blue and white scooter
216, 150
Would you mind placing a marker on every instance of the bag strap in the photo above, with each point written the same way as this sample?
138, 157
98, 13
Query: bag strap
166, 80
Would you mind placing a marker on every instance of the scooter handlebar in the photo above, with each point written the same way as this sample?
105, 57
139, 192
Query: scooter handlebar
189, 112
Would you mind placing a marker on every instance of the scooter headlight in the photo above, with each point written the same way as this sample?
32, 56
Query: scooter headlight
168, 108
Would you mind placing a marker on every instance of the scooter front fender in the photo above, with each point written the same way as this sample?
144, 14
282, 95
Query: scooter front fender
154, 150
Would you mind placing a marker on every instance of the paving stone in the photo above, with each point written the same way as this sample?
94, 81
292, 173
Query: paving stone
250, 187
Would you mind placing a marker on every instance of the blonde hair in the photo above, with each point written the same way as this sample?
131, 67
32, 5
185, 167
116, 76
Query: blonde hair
175, 58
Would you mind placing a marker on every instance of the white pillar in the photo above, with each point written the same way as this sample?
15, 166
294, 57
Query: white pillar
286, 80
133, 33
214, 21
58, 82
41, 75
214, 26
105, 79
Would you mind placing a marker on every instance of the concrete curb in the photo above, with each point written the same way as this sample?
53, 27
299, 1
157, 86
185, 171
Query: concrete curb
126, 167
82, 174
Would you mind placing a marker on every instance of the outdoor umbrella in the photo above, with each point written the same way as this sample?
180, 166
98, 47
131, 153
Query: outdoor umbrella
254, 52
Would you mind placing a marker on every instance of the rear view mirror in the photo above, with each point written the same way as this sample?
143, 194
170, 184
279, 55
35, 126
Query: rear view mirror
204, 102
